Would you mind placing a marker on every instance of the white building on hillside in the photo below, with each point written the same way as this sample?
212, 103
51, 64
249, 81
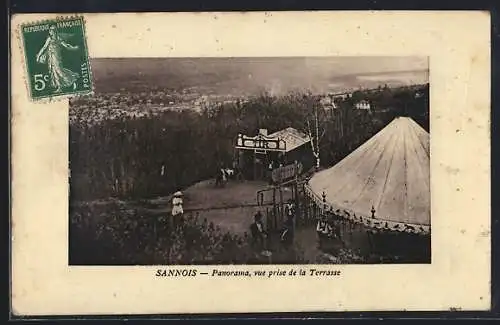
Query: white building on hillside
364, 105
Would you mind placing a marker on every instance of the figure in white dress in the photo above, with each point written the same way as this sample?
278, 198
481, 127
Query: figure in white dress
177, 210
177, 204
50, 54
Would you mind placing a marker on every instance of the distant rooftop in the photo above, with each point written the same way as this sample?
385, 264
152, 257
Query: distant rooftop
292, 137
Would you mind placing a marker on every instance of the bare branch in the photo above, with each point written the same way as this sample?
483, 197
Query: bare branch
311, 138
322, 134
312, 144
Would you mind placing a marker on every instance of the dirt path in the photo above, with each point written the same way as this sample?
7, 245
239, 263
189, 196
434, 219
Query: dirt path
231, 208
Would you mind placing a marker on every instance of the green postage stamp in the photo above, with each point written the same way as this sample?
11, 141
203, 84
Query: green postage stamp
56, 58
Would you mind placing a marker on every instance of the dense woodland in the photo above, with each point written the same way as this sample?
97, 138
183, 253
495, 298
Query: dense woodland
123, 157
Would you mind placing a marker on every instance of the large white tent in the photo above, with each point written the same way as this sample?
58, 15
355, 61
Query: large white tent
384, 183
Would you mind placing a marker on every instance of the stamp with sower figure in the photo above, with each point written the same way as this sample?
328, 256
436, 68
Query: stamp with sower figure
56, 58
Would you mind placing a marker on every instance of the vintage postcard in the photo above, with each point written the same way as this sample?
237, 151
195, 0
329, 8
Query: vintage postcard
284, 162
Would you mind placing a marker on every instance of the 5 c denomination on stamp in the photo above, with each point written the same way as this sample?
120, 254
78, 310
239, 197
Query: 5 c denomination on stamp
56, 58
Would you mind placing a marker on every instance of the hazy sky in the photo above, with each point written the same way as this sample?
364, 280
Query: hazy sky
249, 75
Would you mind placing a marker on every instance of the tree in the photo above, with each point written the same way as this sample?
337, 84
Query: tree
315, 125
113, 154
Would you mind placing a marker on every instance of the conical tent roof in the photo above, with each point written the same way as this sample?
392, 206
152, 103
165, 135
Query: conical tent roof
389, 172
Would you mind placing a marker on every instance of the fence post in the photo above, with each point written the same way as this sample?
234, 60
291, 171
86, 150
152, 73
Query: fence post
267, 219
275, 219
274, 201
281, 204
305, 203
269, 225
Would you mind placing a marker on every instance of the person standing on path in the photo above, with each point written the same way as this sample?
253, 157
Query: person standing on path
259, 234
288, 233
177, 209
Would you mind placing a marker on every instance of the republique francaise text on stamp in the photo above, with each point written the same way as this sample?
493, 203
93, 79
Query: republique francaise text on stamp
56, 58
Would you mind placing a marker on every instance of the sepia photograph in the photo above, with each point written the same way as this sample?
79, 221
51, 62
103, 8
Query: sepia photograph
251, 160
307, 159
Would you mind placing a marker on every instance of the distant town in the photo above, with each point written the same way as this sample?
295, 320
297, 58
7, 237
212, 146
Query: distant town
127, 104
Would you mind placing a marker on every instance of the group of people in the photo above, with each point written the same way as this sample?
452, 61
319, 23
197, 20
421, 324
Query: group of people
257, 228
225, 173
327, 232
260, 240
273, 164
221, 177
260, 235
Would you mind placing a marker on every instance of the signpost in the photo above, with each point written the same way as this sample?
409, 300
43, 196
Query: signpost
284, 174
262, 144
287, 172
